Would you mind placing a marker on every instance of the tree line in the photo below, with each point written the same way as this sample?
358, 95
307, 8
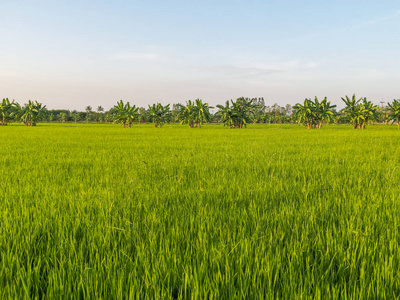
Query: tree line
233, 114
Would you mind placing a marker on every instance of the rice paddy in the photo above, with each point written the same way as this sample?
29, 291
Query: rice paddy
271, 211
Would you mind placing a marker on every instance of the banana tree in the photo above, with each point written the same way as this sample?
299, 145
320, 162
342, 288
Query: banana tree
32, 113
322, 112
352, 109
226, 114
109, 117
75, 117
238, 113
159, 114
7, 111
304, 113
395, 111
186, 113
125, 113
367, 111
201, 112
62, 117
243, 109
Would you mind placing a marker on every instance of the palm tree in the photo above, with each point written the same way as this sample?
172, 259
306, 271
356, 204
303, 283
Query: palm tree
88, 116
395, 111
159, 114
7, 111
32, 113
125, 113
100, 109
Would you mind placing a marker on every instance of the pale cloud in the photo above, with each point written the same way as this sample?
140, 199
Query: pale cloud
250, 71
311, 65
374, 74
240, 71
136, 56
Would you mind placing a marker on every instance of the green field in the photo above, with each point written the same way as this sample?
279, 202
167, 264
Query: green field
271, 211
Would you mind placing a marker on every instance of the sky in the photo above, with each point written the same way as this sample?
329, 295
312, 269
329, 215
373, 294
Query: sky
71, 54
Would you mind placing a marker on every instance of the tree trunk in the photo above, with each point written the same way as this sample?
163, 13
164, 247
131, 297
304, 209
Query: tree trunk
398, 123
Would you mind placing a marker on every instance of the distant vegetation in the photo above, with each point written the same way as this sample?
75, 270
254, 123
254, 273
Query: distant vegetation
233, 114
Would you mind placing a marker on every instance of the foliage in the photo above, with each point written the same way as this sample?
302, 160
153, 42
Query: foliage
159, 114
32, 112
75, 117
195, 113
314, 113
239, 113
227, 114
62, 117
125, 113
186, 114
7, 111
395, 111
367, 112
109, 118
234, 114
359, 111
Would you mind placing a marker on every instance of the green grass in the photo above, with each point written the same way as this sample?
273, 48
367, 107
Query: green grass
271, 211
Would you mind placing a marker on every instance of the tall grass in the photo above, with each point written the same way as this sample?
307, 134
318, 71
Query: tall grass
99, 211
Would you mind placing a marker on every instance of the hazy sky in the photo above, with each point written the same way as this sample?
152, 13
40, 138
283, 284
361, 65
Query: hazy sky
70, 54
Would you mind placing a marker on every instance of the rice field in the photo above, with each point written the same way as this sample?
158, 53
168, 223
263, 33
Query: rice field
271, 211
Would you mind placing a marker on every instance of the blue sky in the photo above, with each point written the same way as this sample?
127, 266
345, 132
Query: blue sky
69, 54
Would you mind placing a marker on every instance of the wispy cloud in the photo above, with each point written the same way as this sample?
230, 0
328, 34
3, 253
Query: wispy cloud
240, 71
251, 72
379, 20
136, 56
